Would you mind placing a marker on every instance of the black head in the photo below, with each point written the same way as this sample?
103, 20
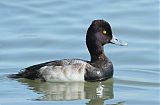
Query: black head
100, 31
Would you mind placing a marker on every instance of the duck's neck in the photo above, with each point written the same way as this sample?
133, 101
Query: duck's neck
96, 50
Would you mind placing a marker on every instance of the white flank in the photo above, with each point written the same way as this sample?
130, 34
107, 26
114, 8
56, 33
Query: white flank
71, 70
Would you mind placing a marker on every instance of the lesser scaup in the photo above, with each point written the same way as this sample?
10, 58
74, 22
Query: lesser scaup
99, 68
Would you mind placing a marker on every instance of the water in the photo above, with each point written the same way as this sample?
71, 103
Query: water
34, 31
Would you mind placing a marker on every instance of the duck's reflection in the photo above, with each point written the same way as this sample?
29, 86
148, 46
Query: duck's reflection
97, 92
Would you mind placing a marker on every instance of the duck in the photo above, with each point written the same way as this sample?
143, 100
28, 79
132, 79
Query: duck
99, 68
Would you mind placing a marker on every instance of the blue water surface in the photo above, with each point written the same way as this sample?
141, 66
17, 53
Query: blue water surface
36, 31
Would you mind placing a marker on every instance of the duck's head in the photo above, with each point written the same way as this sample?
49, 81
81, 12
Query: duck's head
100, 32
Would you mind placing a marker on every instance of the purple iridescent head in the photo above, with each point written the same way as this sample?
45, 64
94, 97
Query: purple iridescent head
100, 32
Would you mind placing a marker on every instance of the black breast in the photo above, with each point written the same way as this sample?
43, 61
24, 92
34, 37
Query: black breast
99, 71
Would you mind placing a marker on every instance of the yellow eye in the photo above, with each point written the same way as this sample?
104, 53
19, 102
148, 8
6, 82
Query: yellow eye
104, 32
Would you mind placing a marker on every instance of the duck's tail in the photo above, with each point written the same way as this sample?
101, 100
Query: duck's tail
15, 76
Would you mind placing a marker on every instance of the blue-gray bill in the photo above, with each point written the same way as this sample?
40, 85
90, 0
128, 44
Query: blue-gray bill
116, 41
